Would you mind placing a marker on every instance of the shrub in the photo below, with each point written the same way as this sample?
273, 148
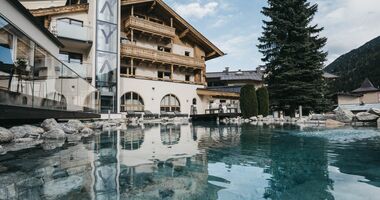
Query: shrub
263, 101
248, 101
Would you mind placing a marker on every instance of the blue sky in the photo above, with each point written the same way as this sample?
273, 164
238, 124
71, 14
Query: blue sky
235, 25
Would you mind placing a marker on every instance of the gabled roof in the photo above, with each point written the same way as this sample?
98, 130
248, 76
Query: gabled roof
236, 75
215, 51
366, 86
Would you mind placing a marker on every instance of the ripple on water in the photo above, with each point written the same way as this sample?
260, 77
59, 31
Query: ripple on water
341, 135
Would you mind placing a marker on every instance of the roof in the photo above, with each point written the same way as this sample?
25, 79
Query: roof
349, 95
366, 86
357, 107
329, 76
216, 52
236, 75
217, 93
33, 20
235, 89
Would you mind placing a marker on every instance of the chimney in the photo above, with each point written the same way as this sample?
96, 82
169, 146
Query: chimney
227, 70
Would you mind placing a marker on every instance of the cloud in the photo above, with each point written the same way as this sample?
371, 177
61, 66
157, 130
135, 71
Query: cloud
196, 9
348, 24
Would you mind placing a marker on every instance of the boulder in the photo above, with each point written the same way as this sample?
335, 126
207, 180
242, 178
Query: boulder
76, 124
52, 144
253, 119
69, 129
378, 123
318, 117
5, 135
73, 137
26, 131
366, 117
374, 111
50, 124
330, 123
23, 140
54, 134
87, 132
343, 115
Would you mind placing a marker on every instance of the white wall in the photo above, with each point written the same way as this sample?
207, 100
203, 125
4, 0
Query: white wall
20, 21
43, 4
152, 97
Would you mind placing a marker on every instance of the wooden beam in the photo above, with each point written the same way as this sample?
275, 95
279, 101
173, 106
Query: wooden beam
184, 33
152, 6
211, 54
59, 10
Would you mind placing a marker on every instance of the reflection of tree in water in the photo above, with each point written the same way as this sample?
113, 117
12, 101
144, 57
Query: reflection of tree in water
219, 136
350, 158
299, 168
170, 134
132, 138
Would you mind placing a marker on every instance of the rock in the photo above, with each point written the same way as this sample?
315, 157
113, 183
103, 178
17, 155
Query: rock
52, 144
374, 111
23, 140
166, 193
333, 123
366, 117
87, 132
76, 124
253, 119
73, 137
59, 188
54, 134
68, 129
5, 135
2, 150
26, 131
318, 117
378, 125
343, 115
50, 124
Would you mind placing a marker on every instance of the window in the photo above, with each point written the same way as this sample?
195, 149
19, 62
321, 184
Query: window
223, 101
131, 101
71, 57
6, 46
164, 49
170, 103
187, 53
163, 75
187, 77
131, 71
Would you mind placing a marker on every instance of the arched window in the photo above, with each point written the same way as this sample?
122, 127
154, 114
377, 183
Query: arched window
194, 101
131, 101
170, 103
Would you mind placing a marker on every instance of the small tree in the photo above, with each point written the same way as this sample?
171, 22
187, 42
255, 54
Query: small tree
263, 100
248, 101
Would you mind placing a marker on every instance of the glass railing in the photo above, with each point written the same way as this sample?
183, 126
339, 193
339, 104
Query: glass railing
32, 77
72, 31
82, 69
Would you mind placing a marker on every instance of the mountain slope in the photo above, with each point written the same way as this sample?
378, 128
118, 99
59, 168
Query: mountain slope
353, 67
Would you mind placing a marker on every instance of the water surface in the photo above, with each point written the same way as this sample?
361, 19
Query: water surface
200, 162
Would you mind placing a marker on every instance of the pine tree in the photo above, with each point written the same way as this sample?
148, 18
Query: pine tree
293, 55
248, 101
263, 101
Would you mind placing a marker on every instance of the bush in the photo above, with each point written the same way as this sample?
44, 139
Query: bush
263, 101
248, 101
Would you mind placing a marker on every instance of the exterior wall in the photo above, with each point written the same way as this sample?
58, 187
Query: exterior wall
371, 98
345, 100
20, 21
152, 93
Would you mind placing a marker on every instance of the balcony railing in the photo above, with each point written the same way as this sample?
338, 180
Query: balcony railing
149, 26
82, 69
159, 56
73, 31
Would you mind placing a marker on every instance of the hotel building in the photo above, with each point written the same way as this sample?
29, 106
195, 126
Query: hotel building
140, 54
33, 82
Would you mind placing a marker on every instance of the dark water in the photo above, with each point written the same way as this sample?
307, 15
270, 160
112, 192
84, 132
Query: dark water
200, 162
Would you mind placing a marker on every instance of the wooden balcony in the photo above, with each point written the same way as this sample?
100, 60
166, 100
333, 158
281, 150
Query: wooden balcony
133, 51
147, 26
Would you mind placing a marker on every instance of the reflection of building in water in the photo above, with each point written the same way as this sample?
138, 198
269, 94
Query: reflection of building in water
293, 169
170, 134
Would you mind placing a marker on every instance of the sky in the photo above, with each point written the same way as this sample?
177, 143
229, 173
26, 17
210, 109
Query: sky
235, 25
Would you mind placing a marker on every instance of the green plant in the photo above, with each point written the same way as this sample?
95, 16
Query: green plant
248, 101
263, 101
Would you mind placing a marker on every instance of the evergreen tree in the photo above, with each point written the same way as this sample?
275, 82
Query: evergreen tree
263, 100
293, 55
248, 101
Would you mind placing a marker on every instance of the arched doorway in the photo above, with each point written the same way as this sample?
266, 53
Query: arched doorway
170, 103
131, 101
